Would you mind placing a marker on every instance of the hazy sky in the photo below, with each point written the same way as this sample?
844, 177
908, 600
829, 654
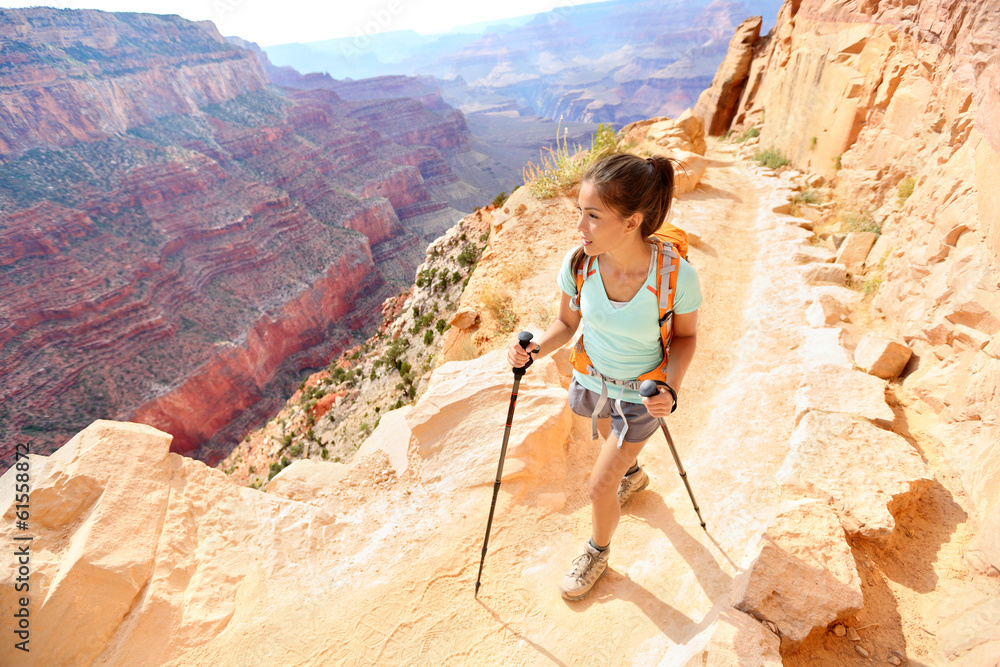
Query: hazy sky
270, 22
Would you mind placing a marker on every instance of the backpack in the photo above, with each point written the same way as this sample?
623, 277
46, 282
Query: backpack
670, 243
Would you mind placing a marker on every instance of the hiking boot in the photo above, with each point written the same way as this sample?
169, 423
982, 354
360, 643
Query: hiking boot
587, 569
631, 485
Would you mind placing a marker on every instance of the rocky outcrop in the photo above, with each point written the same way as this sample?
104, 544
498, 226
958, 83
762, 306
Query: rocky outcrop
717, 103
167, 210
899, 105
143, 540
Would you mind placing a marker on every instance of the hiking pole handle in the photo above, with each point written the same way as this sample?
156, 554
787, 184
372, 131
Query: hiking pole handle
651, 388
524, 340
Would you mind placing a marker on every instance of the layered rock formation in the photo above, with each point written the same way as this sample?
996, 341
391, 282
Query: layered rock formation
180, 239
898, 105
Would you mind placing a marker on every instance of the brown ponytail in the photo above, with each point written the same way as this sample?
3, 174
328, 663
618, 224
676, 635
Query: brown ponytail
630, 184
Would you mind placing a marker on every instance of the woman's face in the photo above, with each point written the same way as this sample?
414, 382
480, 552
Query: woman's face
601, 229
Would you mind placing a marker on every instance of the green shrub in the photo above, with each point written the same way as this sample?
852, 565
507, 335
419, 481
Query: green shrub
428, 336
771, 158
499, 200
836, 162
806, 197
905, 189
441, 325
295, 450
861, 222
750, 132
469, 255
812, 143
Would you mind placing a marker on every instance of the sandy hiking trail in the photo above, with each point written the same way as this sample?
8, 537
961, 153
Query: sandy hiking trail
395, 587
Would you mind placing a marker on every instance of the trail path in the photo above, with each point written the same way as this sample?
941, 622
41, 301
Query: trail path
398, 586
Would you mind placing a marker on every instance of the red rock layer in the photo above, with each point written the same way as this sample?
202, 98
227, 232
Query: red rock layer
74, 77
183, 268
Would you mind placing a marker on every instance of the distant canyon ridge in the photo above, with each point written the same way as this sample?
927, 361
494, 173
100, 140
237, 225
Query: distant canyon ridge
606, 62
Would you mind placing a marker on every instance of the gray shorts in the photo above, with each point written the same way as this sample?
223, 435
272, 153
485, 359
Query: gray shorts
641, 424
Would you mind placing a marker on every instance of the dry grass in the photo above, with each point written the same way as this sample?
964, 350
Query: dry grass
463, 349
499, 304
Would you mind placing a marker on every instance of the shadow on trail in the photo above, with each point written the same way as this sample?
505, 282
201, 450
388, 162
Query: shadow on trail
544, 652
651, 508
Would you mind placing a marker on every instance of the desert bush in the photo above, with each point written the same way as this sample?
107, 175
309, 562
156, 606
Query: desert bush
558, 171
904, 190
854, 221
771, 158
749, 133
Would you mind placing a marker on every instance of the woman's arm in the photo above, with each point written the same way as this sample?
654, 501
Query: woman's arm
682, 346
557, 335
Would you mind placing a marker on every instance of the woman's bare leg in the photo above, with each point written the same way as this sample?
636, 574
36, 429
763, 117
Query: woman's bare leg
610, 467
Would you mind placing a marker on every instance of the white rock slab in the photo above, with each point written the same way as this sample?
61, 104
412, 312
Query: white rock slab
466, 404
392, 436
864, 471
803, 576
733, 640
824, 274
824, 346
837, 389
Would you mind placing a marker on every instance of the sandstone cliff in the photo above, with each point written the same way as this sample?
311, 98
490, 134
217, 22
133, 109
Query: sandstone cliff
898, 106
180, 239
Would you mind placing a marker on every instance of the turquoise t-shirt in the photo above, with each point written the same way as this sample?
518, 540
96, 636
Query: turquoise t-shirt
624, 343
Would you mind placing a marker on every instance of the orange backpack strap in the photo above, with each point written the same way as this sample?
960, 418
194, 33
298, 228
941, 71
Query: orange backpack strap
583, 271
667, 268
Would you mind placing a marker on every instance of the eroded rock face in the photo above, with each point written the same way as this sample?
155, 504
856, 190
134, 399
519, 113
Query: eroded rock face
130, 539
899, 105
861, 469
803, 576
198, 239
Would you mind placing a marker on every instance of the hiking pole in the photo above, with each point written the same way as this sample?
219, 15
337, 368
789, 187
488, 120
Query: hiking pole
648, 388
525, 338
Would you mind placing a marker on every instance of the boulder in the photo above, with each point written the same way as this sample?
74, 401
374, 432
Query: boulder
733, 640
824, 274
803, 576
689, 172
854, 250
467, 401
823, 346
306, 480
837, 389
878, 252
465, 318
881, 355
825, 310
864, 471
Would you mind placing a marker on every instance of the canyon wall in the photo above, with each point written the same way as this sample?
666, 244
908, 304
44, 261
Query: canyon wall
897, 104
180, 239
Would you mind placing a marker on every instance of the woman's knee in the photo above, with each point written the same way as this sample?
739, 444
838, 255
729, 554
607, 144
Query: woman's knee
603, 484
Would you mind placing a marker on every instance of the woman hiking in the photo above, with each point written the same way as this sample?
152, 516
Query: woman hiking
623, 200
